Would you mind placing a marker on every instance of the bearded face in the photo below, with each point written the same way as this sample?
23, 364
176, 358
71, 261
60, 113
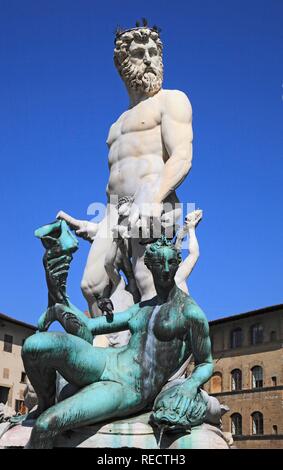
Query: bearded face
142, 68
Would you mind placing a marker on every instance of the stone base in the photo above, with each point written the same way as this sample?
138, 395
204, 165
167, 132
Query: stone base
4, 428
132, 432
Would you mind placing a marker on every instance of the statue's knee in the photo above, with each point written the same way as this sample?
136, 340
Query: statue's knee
41, 425
42, 435
45, 424
31, 346
41, 344
87, 286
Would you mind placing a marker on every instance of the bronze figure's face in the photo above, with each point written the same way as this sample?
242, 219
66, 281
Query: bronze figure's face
163, 266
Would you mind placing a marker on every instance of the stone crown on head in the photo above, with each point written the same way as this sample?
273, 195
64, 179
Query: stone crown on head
120, 31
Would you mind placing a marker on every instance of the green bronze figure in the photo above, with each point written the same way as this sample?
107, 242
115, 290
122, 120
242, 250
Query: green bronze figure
118, 382
60, 244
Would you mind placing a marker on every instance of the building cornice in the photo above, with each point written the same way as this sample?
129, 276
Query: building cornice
6, 318
248, 390
252, 313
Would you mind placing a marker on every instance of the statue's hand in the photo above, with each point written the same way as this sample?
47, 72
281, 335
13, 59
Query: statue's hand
106, 306
83, 228
174, 406
146, 217
58, 312
193, 218
183, 399
125, 209
87, 230
72, 320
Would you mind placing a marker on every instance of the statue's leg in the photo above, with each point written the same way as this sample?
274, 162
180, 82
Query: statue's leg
95, 282
95, 403
76, 360
128, 270
110, 266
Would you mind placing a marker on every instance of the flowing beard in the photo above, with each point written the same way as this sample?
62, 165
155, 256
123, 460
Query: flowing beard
139, 78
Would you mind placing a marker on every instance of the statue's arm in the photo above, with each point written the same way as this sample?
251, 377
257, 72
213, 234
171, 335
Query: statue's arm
177, 136
78, 324
186, 267
120, 322
83, 228
201, 348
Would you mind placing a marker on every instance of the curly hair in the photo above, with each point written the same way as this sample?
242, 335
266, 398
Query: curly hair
153, 249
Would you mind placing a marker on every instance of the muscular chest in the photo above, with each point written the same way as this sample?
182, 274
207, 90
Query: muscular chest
143, 117
170, 324
165, 323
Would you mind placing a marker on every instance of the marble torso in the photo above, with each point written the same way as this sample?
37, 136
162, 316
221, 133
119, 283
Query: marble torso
136, 151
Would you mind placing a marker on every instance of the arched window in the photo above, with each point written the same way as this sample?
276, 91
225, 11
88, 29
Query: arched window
216, 383
236, 338
236, 379
273, 336
236, 424
257, 423
257, 377
257, 334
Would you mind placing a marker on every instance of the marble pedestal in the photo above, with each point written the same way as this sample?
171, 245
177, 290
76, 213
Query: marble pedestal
134, 432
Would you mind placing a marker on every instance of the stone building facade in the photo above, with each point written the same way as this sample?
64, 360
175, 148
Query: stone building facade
248, 376
12, 374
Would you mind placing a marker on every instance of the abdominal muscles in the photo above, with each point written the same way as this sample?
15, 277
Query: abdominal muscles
133, 159
128, 175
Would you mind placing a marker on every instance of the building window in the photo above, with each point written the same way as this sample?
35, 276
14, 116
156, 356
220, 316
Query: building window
236, 379
236, 424
274, 381
6, 373
273, 336
8, 343
216, 383
257, 377
257, 423
4, 392
257, 334
23, 378
275, 429
236, 338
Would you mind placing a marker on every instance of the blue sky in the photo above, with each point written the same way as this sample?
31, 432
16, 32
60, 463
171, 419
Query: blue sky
59, 94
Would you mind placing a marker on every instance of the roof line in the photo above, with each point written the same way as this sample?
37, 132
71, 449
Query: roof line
17, 322
247, 314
